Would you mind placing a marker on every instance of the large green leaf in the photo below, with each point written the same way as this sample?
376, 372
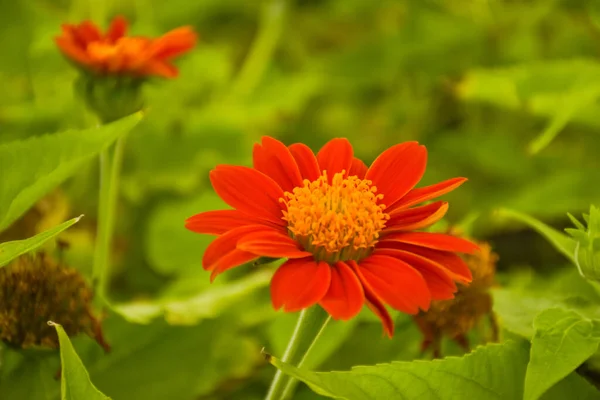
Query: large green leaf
11, 250
29, 374
31, 168
491, 372
563, 340
159, 361
75, 380
494, 372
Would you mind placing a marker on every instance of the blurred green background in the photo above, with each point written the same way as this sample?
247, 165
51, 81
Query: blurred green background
504, 92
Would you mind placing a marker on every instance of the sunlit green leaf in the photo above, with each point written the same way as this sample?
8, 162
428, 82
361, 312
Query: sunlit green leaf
31, 168
75, 380
491, 372
12, 250
563, 340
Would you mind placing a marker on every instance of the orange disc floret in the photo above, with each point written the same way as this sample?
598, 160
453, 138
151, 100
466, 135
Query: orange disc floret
350, 232
114, 53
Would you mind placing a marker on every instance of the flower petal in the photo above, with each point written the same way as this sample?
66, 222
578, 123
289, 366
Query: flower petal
455, 265
267, 242
299, 284
396, 283
415, 218
436, 241
233, 259
117, 29
358, 168
438, 279
374, 303
153, 67
174, 43
225, 244
345, 297
72, 51
397, 170
248, 191
306, 160
336, 156
420, 195
88, 32
275, 160
220, 221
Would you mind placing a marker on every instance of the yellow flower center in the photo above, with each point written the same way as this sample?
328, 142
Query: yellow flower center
338, 221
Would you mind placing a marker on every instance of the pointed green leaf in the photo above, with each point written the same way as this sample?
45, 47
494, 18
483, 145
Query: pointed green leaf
493, 372
31, 168
75, 380
563, 340
561, 242
11, 250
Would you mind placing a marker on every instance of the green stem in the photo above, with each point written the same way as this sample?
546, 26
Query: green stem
310, 326
110, 172
288, 391
260, 53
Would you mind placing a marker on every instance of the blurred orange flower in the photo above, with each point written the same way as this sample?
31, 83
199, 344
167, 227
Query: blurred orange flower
113, 53
348, 231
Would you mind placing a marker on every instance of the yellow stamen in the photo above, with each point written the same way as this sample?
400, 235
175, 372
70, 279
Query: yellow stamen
337, 221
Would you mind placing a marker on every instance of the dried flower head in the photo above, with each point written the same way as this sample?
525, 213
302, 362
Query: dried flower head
456, 317
350, 232
35, 289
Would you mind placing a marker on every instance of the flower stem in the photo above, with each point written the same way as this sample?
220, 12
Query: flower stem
262, 48
110, 172
310, 326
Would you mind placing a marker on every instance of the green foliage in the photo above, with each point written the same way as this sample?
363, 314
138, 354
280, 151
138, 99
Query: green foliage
491, 372
191, 310
504, 93
563, 340
11, 250
31, 168
75, 380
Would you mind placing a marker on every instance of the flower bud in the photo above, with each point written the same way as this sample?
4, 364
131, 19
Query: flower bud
587, 244
110, 97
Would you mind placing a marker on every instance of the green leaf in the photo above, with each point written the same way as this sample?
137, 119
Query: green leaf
31, 168
11, 250
561, 242
159, 361
491, 372
75, 380
563, 340
191, 310
28, 374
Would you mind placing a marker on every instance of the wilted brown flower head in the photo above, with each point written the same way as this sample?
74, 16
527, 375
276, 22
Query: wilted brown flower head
35, 289
456, 317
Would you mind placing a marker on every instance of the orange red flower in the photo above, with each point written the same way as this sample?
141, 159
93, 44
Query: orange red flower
349, 231
115, 53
